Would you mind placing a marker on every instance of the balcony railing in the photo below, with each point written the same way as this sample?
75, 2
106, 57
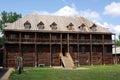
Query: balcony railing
109, 41
12, 40
84, 41
97, 41
43, 40
73, 41
56, 40
27, 40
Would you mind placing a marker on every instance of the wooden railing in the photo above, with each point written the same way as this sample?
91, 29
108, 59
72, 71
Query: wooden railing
27, 40
12, 40
58, 40
43, 40
84, 41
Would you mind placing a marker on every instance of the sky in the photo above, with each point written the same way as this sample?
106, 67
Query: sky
103, 12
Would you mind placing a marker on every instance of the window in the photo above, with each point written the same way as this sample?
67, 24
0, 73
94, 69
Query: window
93, 28
40, 26
54, 37
71, 49
71, 37
70, 26
27, 25
53, 26
83, 49
82, 37
12, 36
26, 36
82, 27
94, 49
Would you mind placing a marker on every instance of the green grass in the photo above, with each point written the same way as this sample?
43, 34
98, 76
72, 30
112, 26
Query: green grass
93, 73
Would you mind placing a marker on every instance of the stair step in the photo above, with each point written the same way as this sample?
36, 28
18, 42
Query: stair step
67, 61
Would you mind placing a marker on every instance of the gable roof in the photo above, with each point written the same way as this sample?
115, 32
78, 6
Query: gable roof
61, 21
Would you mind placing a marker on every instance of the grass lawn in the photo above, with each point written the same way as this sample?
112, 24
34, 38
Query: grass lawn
93, 73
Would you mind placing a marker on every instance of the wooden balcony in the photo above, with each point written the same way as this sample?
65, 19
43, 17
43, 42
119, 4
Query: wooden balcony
58, 41
73, 41
43, 41
84, 41
11, 40
97, 41
64, 41
109, 41
27, 40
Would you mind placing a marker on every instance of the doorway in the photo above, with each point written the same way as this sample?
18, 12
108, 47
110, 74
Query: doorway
63, 51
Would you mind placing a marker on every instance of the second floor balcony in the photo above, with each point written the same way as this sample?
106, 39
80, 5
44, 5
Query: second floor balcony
58, 41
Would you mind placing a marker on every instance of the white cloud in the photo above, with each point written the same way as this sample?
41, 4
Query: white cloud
113, 9
66, 11
117, 28
91, 15
71, 11
113, 28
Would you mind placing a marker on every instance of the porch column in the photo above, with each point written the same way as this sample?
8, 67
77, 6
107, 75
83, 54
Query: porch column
91, 63
61, 42
35, 39
50, 50
115, 50
68, 42
78, 49
20, 53
103, 59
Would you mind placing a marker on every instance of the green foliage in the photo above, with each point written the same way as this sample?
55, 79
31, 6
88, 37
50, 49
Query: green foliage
8, 17
1, 40
117, 43
93, 73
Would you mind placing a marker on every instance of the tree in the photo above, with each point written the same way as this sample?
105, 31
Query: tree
118, 41
8, 17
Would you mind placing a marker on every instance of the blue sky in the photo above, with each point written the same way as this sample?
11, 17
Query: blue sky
104, 12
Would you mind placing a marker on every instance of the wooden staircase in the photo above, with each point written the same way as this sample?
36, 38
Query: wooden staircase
67, 60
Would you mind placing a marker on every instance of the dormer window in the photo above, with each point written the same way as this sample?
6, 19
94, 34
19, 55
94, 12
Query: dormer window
82, 27
70, 26
53, 26
40, 26
93, 28
27, 25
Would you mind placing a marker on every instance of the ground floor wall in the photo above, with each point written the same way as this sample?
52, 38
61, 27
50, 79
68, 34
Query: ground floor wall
49, 55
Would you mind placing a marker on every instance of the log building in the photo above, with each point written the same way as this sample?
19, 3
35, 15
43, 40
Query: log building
57, 40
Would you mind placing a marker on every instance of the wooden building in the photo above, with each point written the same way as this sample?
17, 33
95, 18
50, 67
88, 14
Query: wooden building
57, 40
116, 54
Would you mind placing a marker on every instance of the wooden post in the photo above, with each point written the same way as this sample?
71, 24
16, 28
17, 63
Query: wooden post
91, 63
35, 49
103, 59
5, 57
61, 42
50, 51
78, 49
5, 53
68, 42
20, 53
115, 50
